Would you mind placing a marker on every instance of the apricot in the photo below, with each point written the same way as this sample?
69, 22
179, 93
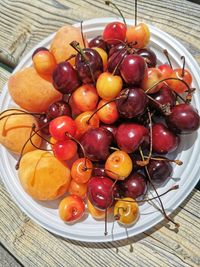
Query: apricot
15, 131
43, 176
60, 45
31, 92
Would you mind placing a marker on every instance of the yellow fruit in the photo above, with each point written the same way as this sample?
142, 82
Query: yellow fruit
43, 176
15, 131
31, 92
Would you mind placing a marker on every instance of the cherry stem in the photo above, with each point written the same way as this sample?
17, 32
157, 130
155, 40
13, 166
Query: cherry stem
82, 148
117, 216
77, 47
150, 127
110, 101
106, 220
70, 57
32, 133
33, 130
83, 39
152, 184
119, 63
135, 12
176, 161
183, 68
111, 3
167, 56
190, 91
43, 137
175, 187
22, 112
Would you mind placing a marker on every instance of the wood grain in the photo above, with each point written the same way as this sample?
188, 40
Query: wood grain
24, 23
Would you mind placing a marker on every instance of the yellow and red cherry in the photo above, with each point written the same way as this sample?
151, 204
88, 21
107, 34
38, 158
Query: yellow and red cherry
104, 56
139, 34
86, 121
61, 126
81, 170
71, 208
108, 112
166, 70
109, 85
96, 213
126, 211
65, 150
118, 165
151, 77
178, 86
77, 189
44, 61
114, 32
85, 97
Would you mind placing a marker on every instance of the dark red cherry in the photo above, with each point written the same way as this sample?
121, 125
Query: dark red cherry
42, 121
135, 103
96, 143
90, 66
134, 185
115, 60
165, 96
130, 136
183, 118
65, 78
98, 42
100, 192
149, 56
159, 170
133, 69
163, 140
59, 108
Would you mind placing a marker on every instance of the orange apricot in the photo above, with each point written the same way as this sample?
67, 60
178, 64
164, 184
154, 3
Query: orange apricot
15, 131
43, 176
31, 92
77, 189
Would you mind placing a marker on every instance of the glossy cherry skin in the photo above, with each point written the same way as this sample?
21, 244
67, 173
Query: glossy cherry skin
114, 32
134, 104
65, 78
96, 143
98, 42
133, 69
179, 86
184, 118
42, 121
149, 56
130, 136
115, 58
59, 108
100, 192
159, 170
135, 185
111, 128
163, 140
93, 60
166, 70
165, 96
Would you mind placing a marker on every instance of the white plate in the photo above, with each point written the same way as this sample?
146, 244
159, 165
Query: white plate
90, 230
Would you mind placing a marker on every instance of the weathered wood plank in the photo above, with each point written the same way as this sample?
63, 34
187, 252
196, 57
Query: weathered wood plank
24, 23
6, 259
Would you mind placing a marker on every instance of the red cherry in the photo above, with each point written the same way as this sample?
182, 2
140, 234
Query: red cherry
114, 32
60, 126
163, 140
65, 150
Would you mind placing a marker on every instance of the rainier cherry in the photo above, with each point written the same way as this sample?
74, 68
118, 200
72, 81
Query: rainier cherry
151, 77
108, 113
71, 208
176, 85
126, 211
166, 70
77, 189
139, 34
118, 165
44, 61
109, 85
86, 121
104, 56
81, 170
85, 97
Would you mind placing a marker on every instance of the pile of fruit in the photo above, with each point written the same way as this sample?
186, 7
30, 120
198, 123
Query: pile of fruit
96, 120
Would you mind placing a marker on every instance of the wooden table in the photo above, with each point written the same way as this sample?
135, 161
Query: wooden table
22, 25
